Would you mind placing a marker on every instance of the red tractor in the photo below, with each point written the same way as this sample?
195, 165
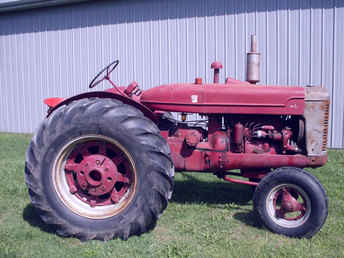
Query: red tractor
101, 165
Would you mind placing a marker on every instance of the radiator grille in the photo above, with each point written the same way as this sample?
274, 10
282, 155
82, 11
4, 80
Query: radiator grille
325, 124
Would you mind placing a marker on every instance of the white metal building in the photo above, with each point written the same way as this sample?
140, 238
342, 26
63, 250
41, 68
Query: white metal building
49, 48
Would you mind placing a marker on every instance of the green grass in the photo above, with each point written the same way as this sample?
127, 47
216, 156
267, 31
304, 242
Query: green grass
207, 217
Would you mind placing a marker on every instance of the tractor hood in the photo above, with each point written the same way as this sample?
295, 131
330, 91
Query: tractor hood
225, 98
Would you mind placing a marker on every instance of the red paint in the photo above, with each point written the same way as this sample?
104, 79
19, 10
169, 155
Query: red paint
268, 127
202, 160
238, 136
133, 88
193, 138
230, 80
216, 66
111, 94
198, 81
92, 174
225, 98
52, 102
289, 205
214, 154
239, 181
259, 148
287, 134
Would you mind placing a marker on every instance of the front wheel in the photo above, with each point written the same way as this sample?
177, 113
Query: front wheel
292, 202
98, 169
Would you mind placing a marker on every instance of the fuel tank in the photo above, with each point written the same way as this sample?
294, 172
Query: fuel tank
226, 98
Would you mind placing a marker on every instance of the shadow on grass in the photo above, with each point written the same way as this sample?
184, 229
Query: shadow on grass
193, 190
30, 215
189, 191
250, 218
196, 191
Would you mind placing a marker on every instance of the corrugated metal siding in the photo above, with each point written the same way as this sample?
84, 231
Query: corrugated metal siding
15, 5
56, 51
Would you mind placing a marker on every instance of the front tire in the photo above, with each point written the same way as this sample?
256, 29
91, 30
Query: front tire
292, 202
99, 169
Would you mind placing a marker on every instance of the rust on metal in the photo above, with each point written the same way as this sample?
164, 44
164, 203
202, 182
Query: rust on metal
316, 116
326, 109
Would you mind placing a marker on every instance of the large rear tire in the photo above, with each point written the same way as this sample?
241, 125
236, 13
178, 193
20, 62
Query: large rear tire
98, 169
292, 202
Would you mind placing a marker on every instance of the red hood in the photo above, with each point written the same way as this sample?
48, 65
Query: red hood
225, 98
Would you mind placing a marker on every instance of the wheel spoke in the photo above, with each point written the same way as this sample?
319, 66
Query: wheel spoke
116, 196
302, 208
118, 159
93, 203
287, 206
293, 192
121, 178
289, 203
71, 182
102, 148
72, 166
73, 189
82, 180
85, 150
75, 153
281, 213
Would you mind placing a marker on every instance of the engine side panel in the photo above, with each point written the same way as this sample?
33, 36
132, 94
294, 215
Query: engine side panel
250, 142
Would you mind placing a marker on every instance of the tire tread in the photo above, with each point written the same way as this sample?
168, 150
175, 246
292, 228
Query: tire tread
139, 127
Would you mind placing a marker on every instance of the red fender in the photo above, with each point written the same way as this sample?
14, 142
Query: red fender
55, 103
52, 102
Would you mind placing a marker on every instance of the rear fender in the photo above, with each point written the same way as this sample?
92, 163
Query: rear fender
52, 102
55, 103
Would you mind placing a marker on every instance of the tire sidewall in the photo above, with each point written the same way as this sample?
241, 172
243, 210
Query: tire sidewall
309, 185
125, 138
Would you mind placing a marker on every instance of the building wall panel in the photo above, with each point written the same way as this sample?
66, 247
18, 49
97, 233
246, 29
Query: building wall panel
56, 51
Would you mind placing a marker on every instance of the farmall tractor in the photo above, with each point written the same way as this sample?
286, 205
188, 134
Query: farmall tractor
101, 165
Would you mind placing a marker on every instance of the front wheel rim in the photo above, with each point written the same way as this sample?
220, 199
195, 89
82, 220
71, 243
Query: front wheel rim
288, 205
94, 176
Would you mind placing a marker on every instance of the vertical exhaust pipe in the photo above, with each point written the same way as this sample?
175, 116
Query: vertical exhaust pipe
253, 62
216, 66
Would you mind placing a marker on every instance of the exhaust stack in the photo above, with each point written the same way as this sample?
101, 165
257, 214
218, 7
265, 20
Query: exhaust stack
253, 62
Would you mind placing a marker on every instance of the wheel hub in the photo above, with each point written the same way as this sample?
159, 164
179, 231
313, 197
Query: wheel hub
98, 173
287, 206
289, 203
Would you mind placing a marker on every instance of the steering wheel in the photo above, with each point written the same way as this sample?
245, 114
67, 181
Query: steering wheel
101, 76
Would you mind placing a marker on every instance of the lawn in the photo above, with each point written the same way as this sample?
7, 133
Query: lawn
206, 217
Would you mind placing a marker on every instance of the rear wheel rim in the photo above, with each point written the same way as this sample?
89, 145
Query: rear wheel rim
288, 205
94, 176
